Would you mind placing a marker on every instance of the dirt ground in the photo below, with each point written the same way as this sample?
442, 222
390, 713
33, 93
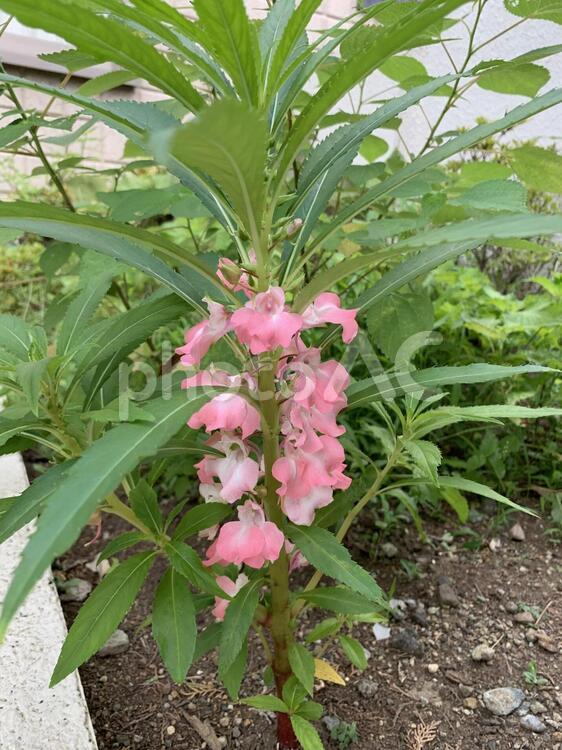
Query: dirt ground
422, 690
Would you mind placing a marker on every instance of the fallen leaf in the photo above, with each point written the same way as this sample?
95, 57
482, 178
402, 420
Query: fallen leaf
324, 671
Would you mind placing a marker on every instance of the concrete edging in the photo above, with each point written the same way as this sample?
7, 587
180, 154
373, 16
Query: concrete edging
33, 716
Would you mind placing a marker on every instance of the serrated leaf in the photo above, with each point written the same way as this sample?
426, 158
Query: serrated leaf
173, 624
79, 313
523, 79
187, 562
327, 627
228, 143
10, 428
200, 518
237, 622
310, 710
15, 336
293, 693
94, 475
325, 671
399, 318
341, 600
549, 10
302, 664
144, 502
426, 456
494, 195
232, 679
30, 377
457, 501
105, 82
306, 734
266, 703
539, 168
467, 485
354, 651
324, 552
119, 544
101, 614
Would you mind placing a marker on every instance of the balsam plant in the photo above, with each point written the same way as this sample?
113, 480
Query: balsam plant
237, 130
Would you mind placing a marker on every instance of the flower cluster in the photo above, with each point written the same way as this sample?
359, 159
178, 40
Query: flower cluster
309, 394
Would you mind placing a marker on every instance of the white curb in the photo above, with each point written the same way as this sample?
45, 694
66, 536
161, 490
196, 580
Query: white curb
33, 716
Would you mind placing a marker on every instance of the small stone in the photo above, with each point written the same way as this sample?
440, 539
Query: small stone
547, 643
405, 640
524, 618
389, 550
420, 617
533, 723
170, 730
465, 690
236, 733
531, 635
117, 643
558, 699
537, 707
503, 701
103, 678
381, 632
511, 607
447, 594
399, 609
367, 688
330, 722
224, 721
482, 652
471, 703
517, 533
433, 668
75, 590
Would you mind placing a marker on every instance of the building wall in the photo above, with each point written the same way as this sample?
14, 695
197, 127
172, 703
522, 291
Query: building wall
20, 46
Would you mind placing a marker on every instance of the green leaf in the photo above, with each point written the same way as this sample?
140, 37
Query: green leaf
549, 10
94, 475
227, 142
436, 155
391, 385
302, 664
27, 505
499, 411
525, 79
354, 651
173, 624
14, 131
494, 195
293, 693
9, 428
232, 679
15, 336
306, 734
398, 318
373, 147
327, 627
101, 614
144, 502
105, 82
310, 710
349, 73
207, 640
122, 242
105, 38
266, 703
71, 59
340, 600
539, 168
236, 624
233, 41
30, 377
324, 552
187, 562
426, 456
119, 544
272, 29
467, 485
457, 501
79, 313
200, 518
401, 67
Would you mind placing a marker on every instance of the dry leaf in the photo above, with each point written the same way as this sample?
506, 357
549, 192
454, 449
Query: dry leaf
324, 671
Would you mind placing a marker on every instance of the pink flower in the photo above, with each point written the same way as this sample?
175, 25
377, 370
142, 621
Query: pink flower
211, 378
249, 541
301, 511
263, 324
231, 588
299, 471
326, 308
233, 277
200, 338
321, 384
227, 411
236, 472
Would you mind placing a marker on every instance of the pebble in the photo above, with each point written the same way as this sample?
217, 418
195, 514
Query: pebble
224, 721
511, 607
367, 688
533, 723
547, 643
399, 609
471, 703
433, 668
405, 640
524, 618
170, 730
482, 652
517, 533
389, 550
537, 707
330, 722
419, 616
117, 643
447, 594
236, 733
503, 701
75, 590
381, 632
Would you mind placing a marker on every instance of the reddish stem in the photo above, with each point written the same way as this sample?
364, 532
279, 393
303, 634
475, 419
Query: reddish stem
285, 734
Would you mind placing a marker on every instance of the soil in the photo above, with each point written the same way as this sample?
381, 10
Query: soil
400, 702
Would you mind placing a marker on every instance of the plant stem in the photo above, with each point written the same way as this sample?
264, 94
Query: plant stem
279, 570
